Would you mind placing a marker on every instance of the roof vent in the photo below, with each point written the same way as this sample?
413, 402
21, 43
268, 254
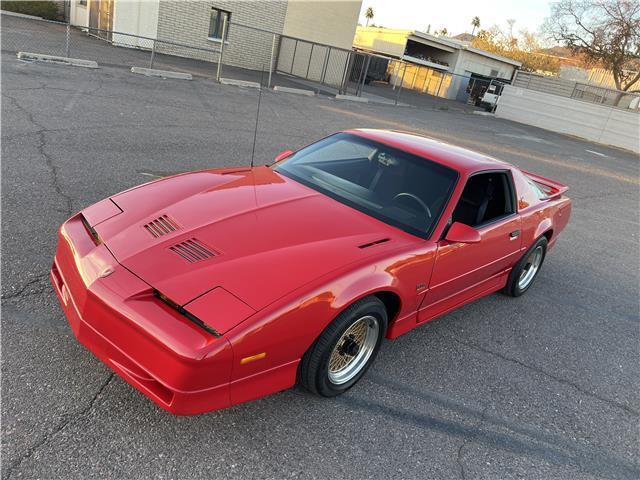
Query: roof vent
371, 244
192, 250
162, 225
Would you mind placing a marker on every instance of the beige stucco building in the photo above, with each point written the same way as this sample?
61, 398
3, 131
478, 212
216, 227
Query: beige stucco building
251, 25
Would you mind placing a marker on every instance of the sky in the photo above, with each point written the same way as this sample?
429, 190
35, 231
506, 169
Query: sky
456, 15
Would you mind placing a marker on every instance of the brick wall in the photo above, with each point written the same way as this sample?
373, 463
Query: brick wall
188, 22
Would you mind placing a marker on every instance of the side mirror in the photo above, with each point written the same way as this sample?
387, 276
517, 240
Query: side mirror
461, 233
283, 155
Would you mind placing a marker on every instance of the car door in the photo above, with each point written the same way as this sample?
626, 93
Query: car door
465, 271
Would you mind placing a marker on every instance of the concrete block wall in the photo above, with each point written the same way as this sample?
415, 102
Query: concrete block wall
597, 123
188, 22
554, 85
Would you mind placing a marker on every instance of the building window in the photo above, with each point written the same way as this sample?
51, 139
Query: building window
82, 2
218, 17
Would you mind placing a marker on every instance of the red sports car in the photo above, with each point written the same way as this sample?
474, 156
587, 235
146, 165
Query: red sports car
211, 288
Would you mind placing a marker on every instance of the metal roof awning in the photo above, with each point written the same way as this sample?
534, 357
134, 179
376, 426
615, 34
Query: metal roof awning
426, 63
432, 43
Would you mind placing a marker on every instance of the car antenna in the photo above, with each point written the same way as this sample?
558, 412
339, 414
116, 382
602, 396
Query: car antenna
255, 130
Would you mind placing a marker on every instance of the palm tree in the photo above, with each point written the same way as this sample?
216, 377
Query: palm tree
368, 15
475, 21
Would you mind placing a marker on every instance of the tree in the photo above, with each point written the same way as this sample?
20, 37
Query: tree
443, 32
526, 49
475, 21
368, 15
605, 32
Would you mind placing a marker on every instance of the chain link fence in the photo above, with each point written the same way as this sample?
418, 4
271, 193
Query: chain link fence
247, 53
108, 47
314, 62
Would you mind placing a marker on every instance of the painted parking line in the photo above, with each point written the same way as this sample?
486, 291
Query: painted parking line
597, 153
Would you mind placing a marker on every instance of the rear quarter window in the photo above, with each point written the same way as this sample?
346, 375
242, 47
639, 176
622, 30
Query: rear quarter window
527, 192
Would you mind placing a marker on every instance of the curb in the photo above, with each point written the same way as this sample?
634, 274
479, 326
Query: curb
239, 83
352, 98
75, 62
297, 91
151, 72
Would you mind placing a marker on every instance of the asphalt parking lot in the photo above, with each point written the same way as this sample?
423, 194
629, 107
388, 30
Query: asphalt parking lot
543, 386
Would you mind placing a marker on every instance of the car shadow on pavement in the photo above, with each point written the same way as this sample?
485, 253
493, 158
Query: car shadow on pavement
548, 447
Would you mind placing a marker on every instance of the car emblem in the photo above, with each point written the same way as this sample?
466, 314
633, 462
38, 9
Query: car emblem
106, 272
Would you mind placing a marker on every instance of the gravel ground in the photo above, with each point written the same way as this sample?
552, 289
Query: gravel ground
543, 386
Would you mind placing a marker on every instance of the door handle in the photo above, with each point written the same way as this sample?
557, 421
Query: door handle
514, 234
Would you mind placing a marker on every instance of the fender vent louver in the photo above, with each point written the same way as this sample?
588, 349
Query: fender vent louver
192, 250
371, 244
162, 225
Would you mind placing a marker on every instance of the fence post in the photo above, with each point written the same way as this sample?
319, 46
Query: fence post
273, 52
401, 83
440, 84
396, 71
293, 57
361, 66
67, 41
573, 92
310, 57
325, 64
153, 53
346, 74
415, 75
364, 77
224, 34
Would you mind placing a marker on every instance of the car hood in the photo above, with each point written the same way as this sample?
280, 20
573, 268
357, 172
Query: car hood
253, 232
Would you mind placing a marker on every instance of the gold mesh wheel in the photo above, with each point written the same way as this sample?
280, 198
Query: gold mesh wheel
353, 350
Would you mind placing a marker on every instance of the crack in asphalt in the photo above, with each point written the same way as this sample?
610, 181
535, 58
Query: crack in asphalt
67, 419
610, 402
469, 439
21, 291
41, 147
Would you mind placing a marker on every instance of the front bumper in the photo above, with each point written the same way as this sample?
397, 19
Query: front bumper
181, 367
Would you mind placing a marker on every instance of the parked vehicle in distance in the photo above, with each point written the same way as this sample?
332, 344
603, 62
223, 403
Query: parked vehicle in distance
490, 97
212, 288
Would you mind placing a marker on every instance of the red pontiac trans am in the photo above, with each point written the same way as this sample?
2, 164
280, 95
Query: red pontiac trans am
212, 288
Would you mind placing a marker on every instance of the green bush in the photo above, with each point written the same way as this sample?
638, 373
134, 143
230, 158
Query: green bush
48, 10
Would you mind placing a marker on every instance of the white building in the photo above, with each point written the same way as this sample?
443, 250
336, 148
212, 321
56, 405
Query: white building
445, 55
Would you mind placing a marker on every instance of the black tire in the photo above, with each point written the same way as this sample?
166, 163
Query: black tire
313, 372
513, 288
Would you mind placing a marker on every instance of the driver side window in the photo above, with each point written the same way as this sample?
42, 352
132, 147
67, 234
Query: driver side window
485, 198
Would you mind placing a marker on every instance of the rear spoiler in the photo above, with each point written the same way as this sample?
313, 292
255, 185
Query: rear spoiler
551, 188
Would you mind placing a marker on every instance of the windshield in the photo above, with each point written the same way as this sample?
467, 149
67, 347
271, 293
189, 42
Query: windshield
403, 190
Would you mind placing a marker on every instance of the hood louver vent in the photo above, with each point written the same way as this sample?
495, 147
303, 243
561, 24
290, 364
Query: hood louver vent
192, 250
371, 244
161, 226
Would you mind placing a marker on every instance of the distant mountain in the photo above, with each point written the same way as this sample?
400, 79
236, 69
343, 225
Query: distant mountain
464, 37
557, 51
